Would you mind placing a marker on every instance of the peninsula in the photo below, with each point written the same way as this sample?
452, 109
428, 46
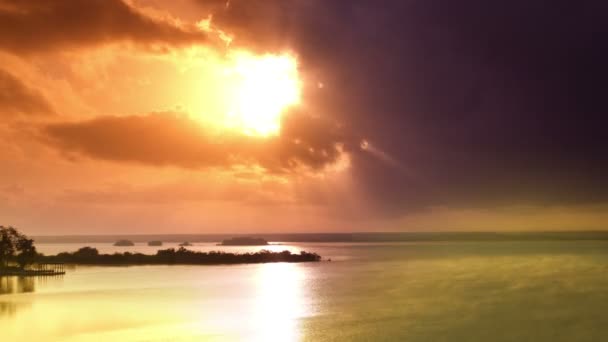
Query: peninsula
181, 256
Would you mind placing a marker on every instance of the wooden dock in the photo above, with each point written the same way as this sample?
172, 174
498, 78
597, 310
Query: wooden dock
36, 270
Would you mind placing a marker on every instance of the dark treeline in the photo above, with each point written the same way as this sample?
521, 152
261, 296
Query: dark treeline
91, 256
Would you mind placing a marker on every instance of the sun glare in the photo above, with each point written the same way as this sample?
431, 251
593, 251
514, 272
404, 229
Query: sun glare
264, 87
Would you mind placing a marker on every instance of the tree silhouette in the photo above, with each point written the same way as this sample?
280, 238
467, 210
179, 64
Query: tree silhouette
171, 256
27, 252
16, 247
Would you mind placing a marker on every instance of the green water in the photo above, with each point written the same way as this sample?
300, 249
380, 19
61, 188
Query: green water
459, 291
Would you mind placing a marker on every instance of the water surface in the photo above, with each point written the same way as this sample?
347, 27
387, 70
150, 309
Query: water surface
432, 291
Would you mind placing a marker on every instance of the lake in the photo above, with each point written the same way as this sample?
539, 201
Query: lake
419, 291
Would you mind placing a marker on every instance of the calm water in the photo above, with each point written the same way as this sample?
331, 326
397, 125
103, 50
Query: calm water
461, 291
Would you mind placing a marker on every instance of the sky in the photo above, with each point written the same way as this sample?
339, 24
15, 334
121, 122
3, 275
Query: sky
240, 116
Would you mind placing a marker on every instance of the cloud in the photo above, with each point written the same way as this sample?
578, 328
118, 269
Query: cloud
262, 25
481, 105
18, 99
40, 25
258, 192
170, 139
12, 189
467, 108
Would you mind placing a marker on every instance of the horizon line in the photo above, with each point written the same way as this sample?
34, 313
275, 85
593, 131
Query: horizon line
342, 233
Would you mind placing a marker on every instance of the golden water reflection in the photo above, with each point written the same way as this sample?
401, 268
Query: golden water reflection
14, 285
10, 285
279, 303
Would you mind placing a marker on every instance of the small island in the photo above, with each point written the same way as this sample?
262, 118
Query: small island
124, 243
244, 241
155, 243
181, 256
185, 244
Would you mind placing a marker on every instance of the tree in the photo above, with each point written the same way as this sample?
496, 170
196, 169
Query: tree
27, 251
7, 245
15, 246
86, 252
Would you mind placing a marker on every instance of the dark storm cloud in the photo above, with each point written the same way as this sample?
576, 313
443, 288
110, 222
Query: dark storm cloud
166, 139
18, 99
484, 102
39, 25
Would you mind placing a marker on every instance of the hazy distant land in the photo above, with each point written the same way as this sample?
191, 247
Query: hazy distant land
244, 241
336, 237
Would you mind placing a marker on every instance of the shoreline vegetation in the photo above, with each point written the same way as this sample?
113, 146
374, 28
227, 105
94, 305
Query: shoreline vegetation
18, 256
181, 256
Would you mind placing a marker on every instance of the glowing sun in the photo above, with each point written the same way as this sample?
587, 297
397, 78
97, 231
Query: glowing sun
264, 87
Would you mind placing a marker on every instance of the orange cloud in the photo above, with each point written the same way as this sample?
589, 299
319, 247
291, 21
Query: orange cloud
18, 99
169, 139
40, 25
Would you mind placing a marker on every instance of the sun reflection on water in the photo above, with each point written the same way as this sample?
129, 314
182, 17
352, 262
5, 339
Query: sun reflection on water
279, 302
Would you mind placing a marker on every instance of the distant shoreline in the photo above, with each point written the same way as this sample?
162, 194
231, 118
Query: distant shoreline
337, 237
